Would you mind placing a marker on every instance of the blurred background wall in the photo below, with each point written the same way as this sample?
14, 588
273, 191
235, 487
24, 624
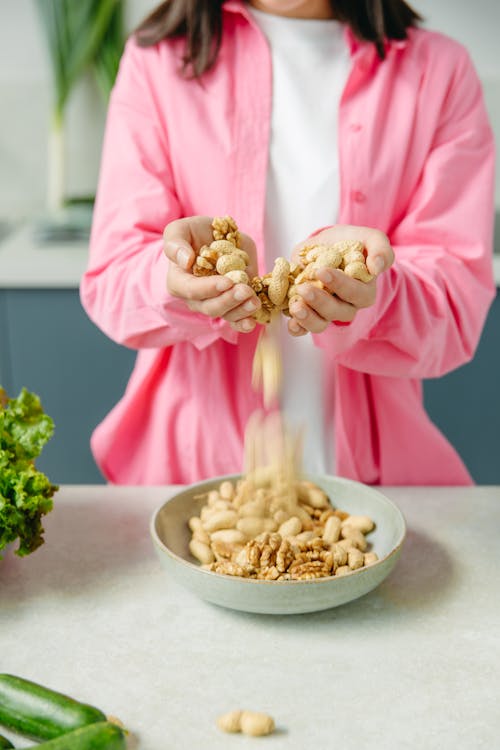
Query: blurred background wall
25, 91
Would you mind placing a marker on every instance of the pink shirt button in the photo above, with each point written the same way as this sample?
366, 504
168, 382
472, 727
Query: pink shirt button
355, 127
358, 196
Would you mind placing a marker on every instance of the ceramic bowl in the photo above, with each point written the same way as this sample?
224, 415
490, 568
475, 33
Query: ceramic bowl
171, 535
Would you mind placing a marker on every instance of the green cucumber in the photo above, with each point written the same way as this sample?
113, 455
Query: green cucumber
100, 736
42, 714
5, 743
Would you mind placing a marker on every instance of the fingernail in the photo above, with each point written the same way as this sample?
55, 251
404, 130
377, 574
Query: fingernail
378, 264
250, 305
247, 325
183, 257
223, 283
241, 293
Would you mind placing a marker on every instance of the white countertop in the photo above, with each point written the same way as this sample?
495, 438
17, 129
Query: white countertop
414, 664
25, 264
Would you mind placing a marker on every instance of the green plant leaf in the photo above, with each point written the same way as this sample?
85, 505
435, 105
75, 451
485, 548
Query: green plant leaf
76, 31
107, 59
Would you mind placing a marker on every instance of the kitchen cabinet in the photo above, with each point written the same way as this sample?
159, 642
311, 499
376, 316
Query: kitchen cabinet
465, 404
49, 345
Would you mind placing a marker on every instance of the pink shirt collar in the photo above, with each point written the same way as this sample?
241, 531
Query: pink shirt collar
354, 44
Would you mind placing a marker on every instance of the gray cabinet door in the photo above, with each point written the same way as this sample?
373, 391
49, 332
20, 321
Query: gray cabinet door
53, 349
465, 404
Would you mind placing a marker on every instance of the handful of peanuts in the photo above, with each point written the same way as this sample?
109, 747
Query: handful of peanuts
277, 288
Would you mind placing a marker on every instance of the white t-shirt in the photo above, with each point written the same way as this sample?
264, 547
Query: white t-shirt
310, 60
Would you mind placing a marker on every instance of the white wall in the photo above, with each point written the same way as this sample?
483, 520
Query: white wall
25, 94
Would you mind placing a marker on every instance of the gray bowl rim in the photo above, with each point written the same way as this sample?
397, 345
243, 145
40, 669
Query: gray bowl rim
254, 581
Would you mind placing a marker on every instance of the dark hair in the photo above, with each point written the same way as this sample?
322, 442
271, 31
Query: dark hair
200, 23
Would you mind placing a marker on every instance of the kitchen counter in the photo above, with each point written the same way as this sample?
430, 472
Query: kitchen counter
24, 264
413, 664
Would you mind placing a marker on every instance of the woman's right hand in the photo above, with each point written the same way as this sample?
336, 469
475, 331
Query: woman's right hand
215, 296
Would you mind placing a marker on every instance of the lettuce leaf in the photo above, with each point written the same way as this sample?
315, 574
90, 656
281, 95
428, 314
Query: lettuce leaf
25, 493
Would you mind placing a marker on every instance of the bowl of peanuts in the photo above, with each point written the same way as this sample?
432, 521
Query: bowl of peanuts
251, 546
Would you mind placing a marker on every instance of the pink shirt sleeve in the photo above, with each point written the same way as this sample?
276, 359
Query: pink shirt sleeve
124, 288
432, 304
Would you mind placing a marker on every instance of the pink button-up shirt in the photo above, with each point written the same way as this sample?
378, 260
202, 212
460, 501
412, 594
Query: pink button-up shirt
416, 161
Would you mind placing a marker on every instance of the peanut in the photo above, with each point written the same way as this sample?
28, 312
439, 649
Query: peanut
358, 270
222, 247
213, 497
195, 523
201, 535
201, 551
355, 559
278, 285
256, 508
331, 532
292, 527
343, 570
226, 490
228, 263
238, 277
354, 536
252, 526
231, 536
256, 724
223, 519
230, 722
362, 523
251, 723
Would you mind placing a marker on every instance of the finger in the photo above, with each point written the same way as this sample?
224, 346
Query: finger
231, 305
183, 284
306, 317
295, 329
246, 325
355, 292
183, 237
379, 253
312, 321
243, 310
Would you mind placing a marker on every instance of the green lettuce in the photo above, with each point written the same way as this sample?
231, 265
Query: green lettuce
25, 493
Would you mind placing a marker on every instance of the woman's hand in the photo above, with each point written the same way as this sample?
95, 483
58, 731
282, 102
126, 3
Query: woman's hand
215, 296
343, 296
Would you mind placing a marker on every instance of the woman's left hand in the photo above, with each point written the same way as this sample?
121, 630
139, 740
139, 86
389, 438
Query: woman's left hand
343, 296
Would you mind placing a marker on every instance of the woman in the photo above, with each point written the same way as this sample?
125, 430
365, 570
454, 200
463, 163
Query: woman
291, 116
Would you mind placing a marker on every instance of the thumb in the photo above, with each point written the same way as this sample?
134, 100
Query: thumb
176, 246
375, 264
